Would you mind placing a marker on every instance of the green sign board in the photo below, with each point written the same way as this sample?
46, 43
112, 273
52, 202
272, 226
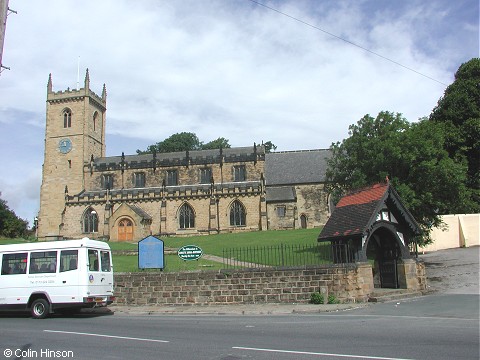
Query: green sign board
189, 252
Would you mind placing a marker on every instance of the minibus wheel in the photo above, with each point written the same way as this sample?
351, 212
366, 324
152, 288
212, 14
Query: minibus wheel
40, 308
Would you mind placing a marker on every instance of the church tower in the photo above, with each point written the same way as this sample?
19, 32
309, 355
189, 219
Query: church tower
74, 133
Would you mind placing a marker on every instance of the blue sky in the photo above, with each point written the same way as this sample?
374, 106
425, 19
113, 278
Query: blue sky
224, 68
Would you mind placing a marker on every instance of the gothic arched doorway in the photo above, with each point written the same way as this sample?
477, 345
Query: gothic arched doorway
384, 251
125, 230
303, 221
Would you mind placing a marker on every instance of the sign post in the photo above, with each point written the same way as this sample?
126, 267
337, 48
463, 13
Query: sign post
151, 253
189, 252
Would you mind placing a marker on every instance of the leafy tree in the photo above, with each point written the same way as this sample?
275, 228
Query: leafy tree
177, 142
412, 156
459, 112
189, 141
216, 144
269, 146
10, 225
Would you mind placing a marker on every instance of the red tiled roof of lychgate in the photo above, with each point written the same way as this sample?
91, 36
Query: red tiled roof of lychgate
353, 212
363, 196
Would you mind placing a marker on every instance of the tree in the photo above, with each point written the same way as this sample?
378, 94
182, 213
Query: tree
412, 156
177, 142
269, 146
459, 112
216, 144
189, 141
10, 225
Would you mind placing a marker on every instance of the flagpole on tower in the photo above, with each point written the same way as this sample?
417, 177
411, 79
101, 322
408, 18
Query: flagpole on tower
78, 73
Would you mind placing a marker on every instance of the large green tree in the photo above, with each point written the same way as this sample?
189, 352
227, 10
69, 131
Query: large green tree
184, 141
189, 141
10, 224
412, 156
459, 113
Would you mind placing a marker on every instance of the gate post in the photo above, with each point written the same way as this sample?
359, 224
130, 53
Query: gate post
407, 274
364, 279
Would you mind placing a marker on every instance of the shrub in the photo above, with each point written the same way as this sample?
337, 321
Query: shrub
316, 298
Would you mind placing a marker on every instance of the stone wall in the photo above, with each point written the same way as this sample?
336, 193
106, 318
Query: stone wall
352, 284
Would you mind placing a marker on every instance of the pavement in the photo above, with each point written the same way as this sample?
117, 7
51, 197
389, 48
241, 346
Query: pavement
452, 271
233, 309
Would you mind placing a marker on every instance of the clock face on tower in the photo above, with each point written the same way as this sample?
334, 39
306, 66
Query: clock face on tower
65, 145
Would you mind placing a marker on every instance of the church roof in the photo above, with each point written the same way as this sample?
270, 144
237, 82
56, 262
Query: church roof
296, 167
140, 212
280, 193
356, 212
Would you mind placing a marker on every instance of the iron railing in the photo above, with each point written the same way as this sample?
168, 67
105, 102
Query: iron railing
287, 255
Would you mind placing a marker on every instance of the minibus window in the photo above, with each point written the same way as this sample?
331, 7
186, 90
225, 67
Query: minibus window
93, 260
43, 262
68, 260
14, 263
105, 255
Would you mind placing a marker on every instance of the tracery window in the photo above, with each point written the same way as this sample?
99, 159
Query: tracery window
67, 118
90, 221
186, 217
237, 214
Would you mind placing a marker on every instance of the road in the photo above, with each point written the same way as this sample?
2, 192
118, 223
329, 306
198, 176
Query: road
443, 325
429, 327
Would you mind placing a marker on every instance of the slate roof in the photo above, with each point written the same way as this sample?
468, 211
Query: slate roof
281, 193
296, 167
140, 212
354, 212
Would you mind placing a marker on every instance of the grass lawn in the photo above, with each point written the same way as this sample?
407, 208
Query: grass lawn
210, 244
129, 263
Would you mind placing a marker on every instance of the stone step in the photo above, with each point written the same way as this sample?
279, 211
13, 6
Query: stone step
385, 295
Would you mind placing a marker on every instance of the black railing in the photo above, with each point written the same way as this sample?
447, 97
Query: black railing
287, 255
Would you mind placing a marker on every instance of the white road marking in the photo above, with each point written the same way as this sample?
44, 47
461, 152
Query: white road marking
106, 336
318, 353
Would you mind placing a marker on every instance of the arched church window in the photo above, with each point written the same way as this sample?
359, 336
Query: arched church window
67, 118
237, 214
186, 217
90, 221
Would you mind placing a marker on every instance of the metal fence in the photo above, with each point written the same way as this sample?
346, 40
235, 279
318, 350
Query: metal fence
287, 255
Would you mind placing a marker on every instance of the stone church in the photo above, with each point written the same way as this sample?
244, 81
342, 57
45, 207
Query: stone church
128, 197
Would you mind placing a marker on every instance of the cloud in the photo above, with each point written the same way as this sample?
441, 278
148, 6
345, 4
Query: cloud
229, 69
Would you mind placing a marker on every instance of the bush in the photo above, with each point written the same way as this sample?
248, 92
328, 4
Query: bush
332, 299
317, 298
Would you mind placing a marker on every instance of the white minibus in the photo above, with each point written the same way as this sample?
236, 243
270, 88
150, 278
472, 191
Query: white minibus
62, 276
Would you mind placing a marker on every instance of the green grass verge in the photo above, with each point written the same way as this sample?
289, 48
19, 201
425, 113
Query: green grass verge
210, 244
129, 263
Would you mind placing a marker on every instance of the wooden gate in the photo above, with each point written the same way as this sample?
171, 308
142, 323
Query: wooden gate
388, 274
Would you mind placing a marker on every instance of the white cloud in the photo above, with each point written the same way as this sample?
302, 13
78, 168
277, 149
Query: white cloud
226, 68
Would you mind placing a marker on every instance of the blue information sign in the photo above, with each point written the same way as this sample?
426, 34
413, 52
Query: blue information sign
150, 253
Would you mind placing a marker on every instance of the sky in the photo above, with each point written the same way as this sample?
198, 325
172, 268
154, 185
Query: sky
293, 72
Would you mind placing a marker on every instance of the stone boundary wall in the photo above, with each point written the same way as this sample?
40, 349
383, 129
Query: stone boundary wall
272, 285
